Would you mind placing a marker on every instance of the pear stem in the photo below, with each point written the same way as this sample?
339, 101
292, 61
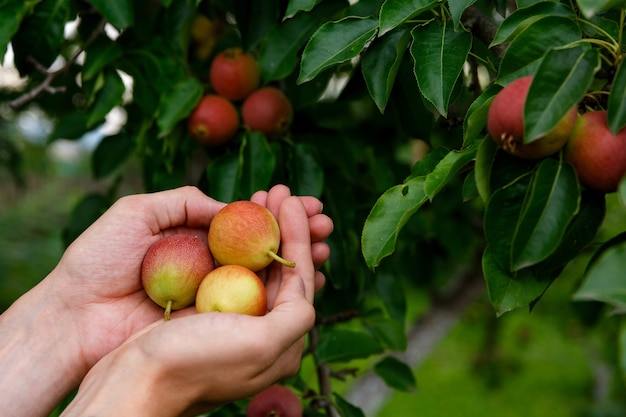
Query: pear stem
168, 310
285, 262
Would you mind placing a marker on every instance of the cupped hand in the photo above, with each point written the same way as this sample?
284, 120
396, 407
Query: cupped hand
196, 362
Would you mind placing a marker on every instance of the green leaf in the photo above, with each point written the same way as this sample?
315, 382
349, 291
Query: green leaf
389, 214
393, 13
502, 212
482, 168
448, 167
592, 7
280, 50
396, 374
508, 291
222, 173
306, 174
296, 6
521, 18
381, 63
457, 7
12, 13
389, 332
119, 13
86, 211
525, 51
111, 152
439, 54
476, 118
549, 205
605, 279
41, 35
393, 295
255, 19
345, 345
346, 409
71, 125
177, 103
257, 164
616, 110
98, 55
560, 83
621, 191
109, 96
334, 43
622, 348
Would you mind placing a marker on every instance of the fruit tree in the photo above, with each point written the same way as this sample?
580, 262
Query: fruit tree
384, 110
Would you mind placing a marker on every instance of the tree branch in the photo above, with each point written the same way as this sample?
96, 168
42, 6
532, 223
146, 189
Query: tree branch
482, 28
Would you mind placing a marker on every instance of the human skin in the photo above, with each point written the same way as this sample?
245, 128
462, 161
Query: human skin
89, 320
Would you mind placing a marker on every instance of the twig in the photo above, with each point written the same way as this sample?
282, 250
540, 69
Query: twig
50, 76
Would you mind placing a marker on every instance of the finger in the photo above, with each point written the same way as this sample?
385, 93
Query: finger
275, 197
260, 197
320, 281
184, 206
320, 252
296, 243
321, 227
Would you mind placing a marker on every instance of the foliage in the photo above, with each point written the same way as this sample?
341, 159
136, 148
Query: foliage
369, 81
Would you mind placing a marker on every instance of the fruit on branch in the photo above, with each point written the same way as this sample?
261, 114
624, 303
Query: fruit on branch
598, 155
172, 270
214, 121
276, 401
247, 234
267, 110
205, 33
234, 74
505, 122
232, 289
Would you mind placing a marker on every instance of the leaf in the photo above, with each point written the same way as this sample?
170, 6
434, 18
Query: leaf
621, 191
590, 8
12, 13
396, 374
457, 7
448, 167
334, 43
389, 332
177, 103
521, 18
393, 295
345, 345
605, 279
84, 213
41, 35
616, 110
393, 13
306, 174
255, 19
622, 349
222, 173
439, 54
119, 13
257, 163
508, 291
525, 51
560, 83
296, 6
476, 117
549, 205
482, 168
98, 55
387, 217
111, 152
108, 97
346, 409
381, 63
280, 49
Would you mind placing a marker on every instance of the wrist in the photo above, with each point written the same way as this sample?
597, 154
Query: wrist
39, 357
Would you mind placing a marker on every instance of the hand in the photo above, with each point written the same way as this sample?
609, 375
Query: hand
196, 362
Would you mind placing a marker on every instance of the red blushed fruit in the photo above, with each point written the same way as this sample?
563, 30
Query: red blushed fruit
234, 74
505, 122
173, 269
275, 401
214, 121
598, 155
267, 110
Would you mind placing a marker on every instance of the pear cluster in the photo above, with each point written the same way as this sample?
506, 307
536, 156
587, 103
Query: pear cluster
597, 155
237, 98
218, 274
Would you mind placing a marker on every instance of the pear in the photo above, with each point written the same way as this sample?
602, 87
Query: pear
232, 289
275, 400
172, 270
247, 234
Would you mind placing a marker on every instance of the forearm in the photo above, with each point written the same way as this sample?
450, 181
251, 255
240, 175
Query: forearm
39, 358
